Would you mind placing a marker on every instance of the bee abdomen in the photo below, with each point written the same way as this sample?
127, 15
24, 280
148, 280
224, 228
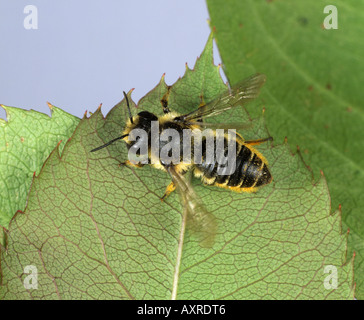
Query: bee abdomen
251, 171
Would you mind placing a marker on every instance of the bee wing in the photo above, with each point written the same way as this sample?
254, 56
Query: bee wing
230, 125
240, 93
200, 221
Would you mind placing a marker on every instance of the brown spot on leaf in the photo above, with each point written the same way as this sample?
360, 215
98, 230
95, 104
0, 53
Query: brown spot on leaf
328, 86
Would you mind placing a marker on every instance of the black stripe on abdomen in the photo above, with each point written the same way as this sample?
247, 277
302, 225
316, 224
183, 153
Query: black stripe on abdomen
251, 172
242, 158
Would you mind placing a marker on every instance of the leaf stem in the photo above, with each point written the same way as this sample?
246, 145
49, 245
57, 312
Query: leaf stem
179, 255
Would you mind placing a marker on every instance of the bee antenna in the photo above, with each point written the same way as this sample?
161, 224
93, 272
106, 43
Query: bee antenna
110, 142
127, 104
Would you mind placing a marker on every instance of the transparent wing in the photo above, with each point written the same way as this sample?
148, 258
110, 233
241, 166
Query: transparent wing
228, 125
202, 223
239, 94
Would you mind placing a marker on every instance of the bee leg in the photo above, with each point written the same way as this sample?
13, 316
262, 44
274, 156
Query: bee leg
258, 141
202, 102
130, 164
201, 105
170, 188
164, 101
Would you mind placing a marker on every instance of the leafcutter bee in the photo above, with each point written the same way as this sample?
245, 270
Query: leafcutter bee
250, 167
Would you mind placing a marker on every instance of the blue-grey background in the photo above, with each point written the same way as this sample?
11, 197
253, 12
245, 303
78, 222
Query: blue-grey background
86, 52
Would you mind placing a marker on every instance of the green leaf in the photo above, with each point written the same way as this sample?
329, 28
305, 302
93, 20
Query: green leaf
313, 92
95, 230
28, 137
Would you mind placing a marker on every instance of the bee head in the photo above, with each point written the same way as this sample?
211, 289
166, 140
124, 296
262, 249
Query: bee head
145, 119
146, 115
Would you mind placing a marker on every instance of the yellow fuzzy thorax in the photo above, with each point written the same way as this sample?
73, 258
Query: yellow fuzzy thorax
168, 117
155, 162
